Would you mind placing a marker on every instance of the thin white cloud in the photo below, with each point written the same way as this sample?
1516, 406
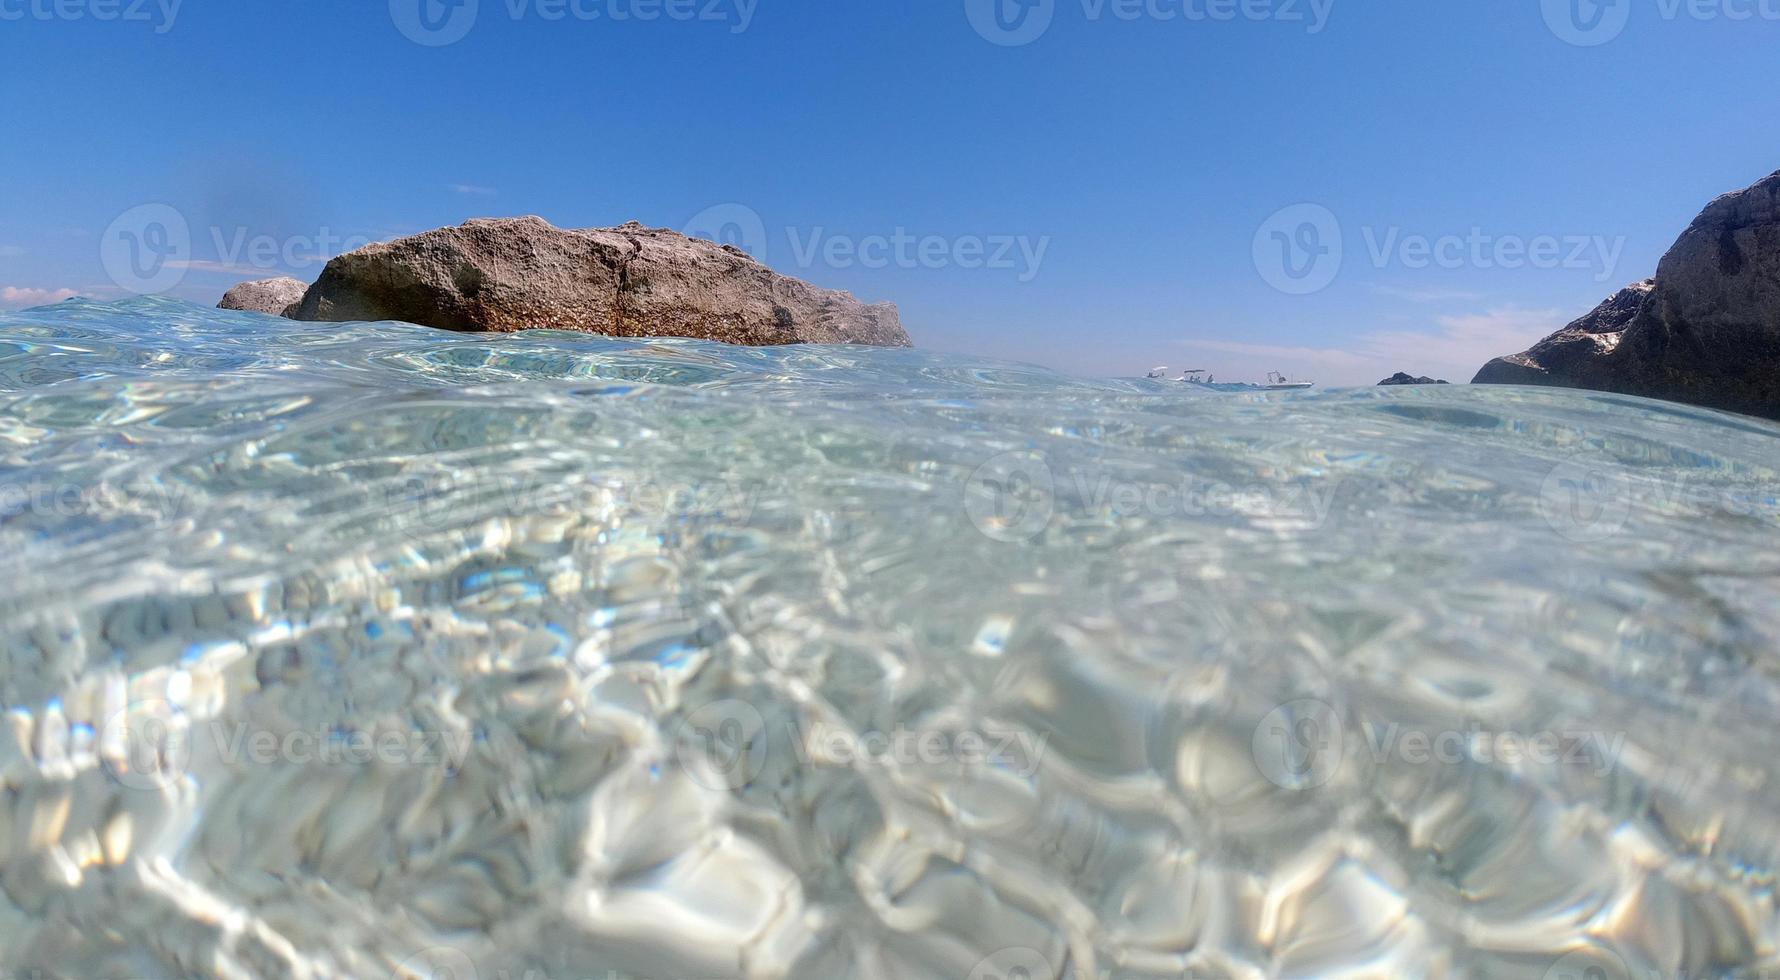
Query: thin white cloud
11, 251
1426, 295
475, 189
1321, 357
1465, 343
17, 297
1455, 349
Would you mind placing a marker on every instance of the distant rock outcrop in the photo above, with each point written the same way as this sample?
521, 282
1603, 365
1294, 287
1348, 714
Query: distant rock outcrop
1705, 331
507, 274
278, 297
1404, 379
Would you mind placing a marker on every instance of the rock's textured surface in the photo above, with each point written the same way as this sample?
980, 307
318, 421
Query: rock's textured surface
1705, 331
507, 274
1573, 353
1401, 378
275, 296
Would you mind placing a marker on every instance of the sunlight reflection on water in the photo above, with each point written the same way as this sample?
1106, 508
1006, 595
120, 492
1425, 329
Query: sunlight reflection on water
364, 650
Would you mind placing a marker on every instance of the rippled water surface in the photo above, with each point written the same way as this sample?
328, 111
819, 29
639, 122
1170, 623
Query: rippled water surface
366, 650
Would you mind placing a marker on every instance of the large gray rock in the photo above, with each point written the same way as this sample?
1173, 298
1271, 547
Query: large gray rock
506, 274
275, 296
1705, 331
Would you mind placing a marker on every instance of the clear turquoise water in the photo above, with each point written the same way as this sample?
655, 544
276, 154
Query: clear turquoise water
364, 650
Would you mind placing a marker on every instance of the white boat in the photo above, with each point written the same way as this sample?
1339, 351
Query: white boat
1275, 382
1279, 382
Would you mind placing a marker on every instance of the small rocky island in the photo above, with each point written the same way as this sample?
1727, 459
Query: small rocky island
1402, 378
1705, 331
509, 274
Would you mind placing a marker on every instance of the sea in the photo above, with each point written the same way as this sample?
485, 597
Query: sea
366, 650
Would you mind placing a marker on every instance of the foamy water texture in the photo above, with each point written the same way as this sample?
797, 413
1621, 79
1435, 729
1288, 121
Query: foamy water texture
364, 650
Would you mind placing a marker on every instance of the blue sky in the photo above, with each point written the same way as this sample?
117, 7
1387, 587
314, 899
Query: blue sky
1095, 185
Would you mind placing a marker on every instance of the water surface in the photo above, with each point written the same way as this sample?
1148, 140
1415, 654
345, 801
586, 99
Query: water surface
365, 650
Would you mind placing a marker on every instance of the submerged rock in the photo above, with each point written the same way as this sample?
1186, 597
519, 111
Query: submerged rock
1705, 331
278, 297
507, 274
1405, 379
